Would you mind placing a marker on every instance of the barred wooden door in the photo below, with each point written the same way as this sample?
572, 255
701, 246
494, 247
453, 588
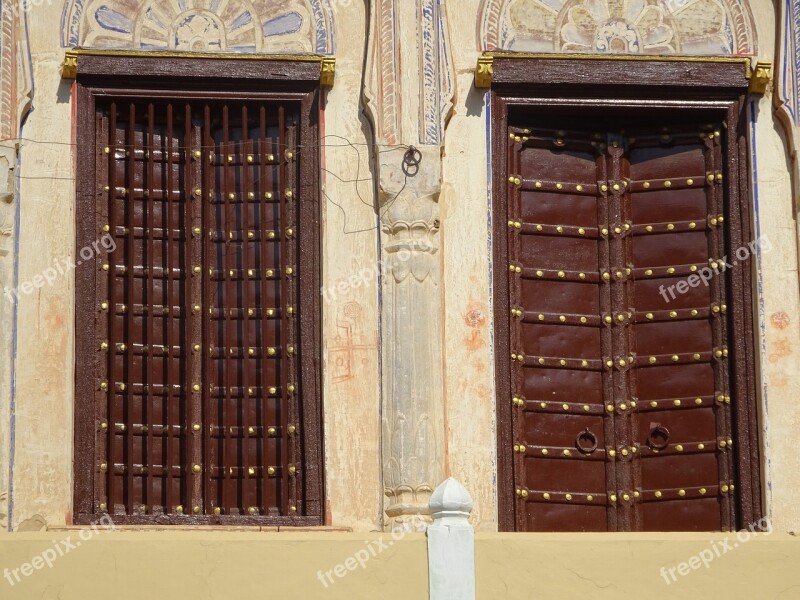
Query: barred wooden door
197, 325
618, 346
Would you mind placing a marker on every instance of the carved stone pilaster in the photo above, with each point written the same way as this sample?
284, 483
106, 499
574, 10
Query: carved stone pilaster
15, 98
413, 412
410, 109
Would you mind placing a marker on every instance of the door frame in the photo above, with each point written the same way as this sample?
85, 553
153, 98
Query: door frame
593, 83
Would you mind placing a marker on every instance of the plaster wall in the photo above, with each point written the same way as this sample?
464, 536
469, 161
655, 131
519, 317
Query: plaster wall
40, 456
247, 565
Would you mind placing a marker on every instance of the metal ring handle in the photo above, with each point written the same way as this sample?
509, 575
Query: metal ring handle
659, 436
586, 442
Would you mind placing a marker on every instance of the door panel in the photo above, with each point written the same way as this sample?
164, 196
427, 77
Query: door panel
618, 348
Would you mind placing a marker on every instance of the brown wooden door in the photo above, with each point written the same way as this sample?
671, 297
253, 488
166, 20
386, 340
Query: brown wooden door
619, 363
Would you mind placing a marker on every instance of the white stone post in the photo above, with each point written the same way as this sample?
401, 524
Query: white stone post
451, 544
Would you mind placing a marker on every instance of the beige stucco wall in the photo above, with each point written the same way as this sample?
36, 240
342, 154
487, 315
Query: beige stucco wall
217, 565
42, 454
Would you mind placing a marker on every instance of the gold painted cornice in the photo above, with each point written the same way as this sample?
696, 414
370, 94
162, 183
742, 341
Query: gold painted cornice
485, 68
327, 74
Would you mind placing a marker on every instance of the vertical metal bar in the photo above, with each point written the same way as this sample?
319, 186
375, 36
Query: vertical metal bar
148, 379
111, 314
284, 335
264, 197
719, 327
193, 311
209, 264
248, 496
606, 334
229, 302
130, 296
168, 253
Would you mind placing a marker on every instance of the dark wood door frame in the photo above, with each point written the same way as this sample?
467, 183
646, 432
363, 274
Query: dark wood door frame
132, 75
691, 87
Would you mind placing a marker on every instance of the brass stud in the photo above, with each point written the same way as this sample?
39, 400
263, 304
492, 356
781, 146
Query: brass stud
671, 226
196, 387
671, 270
617, 230
653, 360
648, 272
196, 468
623, 407
701, 446
559, 186
722, 443
613, 497
649, 228
584, 320
106, 267
561, 274
610, 408
567, 452
624, 452
565, 406
626, 497
646, 185
675, 358
692, 225
292, 509
667, 184
703, 491
562, 318
609, 363
289, 194
676, 402
606, 276
724, 489
538, 184
586, 408
541, 361
673, 314
292, 429
681, 493
658, 494
679, 448
616, 187
103, 467
604, 231
653, 404
604, 187
713, 221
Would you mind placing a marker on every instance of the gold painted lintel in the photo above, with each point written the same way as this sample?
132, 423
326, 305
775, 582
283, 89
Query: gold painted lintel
762, 75
327, 63
484, 72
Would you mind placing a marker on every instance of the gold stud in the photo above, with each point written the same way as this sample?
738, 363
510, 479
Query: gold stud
538, 184
646, 185
692, 225
541, 361
567, 452
609, 363
676, 402
679, 448
671, 226
673, 314
681, 493
559, 186
610, 408
713, 221
649, 228
701, 446
671, 270
565, 406
540, 273
613, 497
653, 404
584, 320
604, 187
703, 491
561, 274
675, 358
617, 230
196, 387
289, 194
546, 496
648, 272
604, 231
624, 452
545, 451
197, 468
292, 429
586, 408
626, 497
623, 407
724, 489
562, 318
616, 187
606, 276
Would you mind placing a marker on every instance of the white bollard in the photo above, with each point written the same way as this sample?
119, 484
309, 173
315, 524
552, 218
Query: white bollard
451, 544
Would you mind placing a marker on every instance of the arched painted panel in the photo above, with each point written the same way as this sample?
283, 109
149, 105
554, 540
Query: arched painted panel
247, 26
680, 27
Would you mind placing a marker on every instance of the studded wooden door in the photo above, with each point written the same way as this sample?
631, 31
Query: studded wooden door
198, 394
619, 364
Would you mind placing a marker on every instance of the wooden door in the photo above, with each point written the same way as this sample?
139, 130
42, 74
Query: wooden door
618, 329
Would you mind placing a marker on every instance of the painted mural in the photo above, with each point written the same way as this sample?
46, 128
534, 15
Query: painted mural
247, 26
688, 27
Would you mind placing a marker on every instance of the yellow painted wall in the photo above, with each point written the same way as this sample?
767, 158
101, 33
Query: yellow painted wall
225, 565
